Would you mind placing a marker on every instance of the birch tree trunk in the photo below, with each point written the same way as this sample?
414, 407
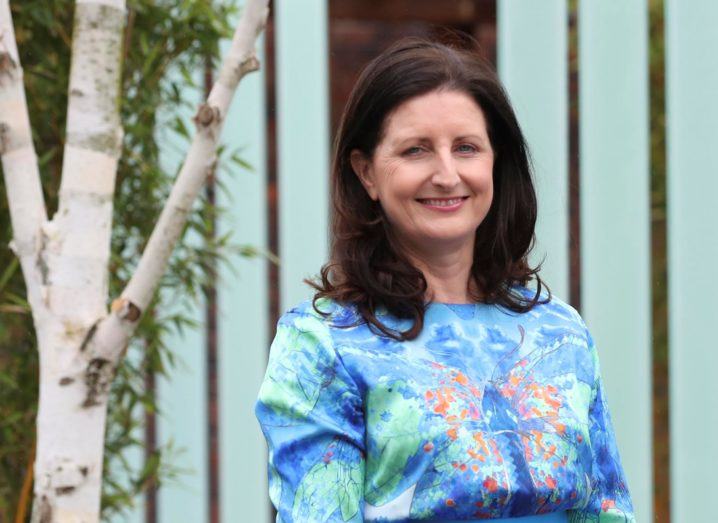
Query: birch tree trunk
65, 260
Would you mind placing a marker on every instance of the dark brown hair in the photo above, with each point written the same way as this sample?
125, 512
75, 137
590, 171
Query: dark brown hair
366, 268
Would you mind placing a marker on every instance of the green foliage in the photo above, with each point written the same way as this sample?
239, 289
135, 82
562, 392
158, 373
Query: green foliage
168, 45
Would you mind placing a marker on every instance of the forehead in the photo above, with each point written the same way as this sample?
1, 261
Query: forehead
436, 111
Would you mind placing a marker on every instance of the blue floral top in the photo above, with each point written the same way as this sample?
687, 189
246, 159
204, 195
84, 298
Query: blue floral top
487, 414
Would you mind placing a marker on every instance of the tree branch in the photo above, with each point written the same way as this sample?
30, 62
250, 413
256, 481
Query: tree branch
19, 162
114, 331
79, 253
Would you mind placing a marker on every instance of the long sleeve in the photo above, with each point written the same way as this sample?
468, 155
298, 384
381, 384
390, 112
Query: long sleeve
609, 501
310, 411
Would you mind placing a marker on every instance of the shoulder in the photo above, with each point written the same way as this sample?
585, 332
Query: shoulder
303, 339
555, 311
323, 315
303, 367
558, 322
306, 344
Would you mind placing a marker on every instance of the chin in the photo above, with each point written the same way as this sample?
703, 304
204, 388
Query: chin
448, 239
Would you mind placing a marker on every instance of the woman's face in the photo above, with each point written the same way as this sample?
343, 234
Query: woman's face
432, 171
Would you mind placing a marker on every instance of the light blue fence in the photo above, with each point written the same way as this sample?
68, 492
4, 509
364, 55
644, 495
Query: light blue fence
692, 135
615, 227
615, 222
532, 44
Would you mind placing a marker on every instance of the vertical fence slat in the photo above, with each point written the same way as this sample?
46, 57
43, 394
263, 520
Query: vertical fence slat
532, 56
243, 309
182, 398
692, 128
303, 142
615, 226
182, 420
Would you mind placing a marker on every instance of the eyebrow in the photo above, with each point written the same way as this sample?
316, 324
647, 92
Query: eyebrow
402, 141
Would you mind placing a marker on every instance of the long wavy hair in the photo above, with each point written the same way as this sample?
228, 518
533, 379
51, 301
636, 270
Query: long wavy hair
366, 267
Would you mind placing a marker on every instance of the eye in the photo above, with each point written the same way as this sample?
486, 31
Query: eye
412, 151
466, 148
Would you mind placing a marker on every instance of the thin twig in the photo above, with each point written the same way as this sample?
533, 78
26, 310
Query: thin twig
24, 502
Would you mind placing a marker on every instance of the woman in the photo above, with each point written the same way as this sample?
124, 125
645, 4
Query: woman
425, 381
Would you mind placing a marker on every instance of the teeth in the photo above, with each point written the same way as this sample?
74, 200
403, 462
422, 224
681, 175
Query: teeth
442, 203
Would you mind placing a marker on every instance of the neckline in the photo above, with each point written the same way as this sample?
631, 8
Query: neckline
463, 305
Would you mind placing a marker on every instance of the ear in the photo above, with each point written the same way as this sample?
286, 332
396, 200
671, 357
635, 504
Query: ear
363, 169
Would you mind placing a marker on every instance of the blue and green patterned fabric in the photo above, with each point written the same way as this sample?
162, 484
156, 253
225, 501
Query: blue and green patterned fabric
488, 414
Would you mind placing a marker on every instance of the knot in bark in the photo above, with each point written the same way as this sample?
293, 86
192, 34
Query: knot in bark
4, 137
126, 310
65, 476
206, 115
7, 64
98, 378
248, 65
41, 510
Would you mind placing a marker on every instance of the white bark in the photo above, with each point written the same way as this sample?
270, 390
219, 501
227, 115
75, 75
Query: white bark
70, 430
65, 260
92, 148
19, 162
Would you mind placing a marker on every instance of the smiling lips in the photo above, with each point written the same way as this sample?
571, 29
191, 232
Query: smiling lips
443, 204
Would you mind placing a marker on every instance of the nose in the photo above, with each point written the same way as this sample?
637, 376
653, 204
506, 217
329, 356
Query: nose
446, 174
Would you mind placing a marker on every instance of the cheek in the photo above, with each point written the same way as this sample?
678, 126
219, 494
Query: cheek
397, 185
484, 180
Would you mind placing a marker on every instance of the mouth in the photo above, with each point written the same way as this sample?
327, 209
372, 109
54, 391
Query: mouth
443, 204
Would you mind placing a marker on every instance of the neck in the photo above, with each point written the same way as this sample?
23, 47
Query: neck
447, 273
